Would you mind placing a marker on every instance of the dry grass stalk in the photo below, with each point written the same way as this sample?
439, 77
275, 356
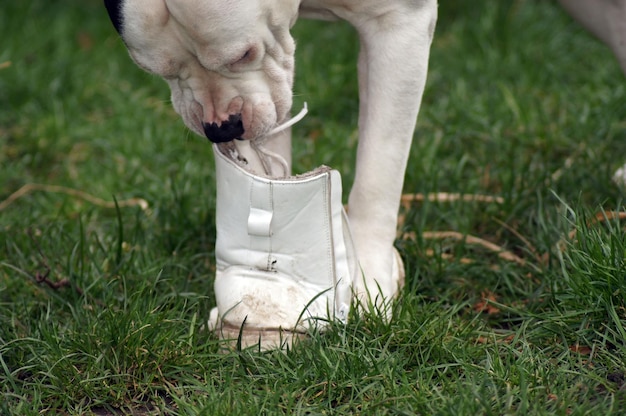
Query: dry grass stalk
599, 218
32, 187
469, 239
409, 199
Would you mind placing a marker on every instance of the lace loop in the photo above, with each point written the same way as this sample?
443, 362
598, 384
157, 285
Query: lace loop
266, 155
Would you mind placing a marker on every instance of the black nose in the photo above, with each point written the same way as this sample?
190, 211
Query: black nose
225, 132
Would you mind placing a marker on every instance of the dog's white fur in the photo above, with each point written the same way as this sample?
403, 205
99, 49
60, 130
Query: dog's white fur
219, 57
222, 57
606, 19
225, 57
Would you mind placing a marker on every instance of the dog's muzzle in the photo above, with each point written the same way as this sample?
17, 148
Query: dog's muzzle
226, 131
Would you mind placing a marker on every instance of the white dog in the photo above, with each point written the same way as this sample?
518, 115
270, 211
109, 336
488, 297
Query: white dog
229, 64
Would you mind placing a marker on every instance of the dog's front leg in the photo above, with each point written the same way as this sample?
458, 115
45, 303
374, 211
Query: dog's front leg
606, 19
393, 61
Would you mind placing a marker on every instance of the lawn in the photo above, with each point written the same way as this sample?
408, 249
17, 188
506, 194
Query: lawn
514, 303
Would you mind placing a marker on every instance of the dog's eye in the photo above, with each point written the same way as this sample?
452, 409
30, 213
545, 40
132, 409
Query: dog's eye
248, 56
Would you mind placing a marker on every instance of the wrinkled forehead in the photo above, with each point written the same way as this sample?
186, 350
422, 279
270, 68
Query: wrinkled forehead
214, 19
161, 34
204, 21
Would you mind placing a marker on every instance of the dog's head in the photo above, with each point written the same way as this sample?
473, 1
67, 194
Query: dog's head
229, 63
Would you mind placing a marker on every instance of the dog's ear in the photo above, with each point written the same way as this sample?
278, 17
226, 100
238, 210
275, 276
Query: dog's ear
115, 13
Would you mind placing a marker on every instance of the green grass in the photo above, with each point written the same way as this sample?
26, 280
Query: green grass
520, 103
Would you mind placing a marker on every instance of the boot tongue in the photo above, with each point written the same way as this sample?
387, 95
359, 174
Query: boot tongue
235, 153
254, 157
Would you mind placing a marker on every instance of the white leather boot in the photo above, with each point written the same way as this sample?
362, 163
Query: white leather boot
284, 256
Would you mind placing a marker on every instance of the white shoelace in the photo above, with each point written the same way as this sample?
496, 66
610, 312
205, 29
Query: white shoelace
266, 155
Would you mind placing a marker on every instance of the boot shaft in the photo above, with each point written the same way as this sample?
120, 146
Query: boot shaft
282, 242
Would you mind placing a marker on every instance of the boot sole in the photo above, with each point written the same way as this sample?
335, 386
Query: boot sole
236, 338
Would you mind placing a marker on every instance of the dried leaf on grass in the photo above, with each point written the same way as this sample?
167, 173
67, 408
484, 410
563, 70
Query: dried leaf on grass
486, 304
581, 349
499, 340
